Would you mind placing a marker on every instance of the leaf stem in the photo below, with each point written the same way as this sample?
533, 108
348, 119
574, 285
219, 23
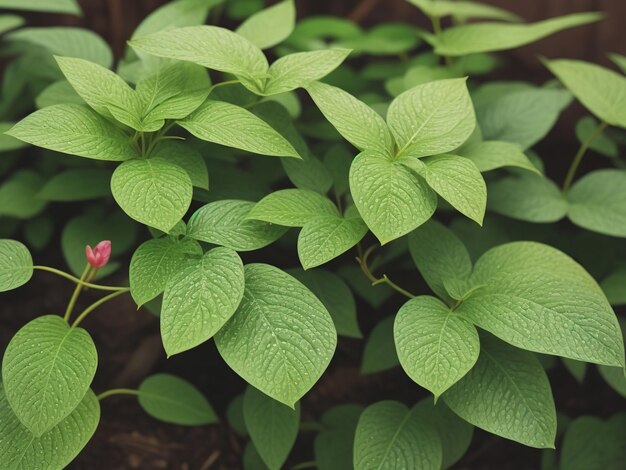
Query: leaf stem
76, 293
77, 280
227, 82
117, 391
96, 304
362, 260
569, 178
436, 22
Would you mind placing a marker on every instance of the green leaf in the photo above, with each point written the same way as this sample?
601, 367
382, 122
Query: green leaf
390, 435
9, 22
154, 262
354, 120
74, 129
463, 10
487, 37
576, 368
384, 39
7, 142
614, 376
435, 345
335, 443
293, 207
226, 223
233, 126
16, 265
619, 60
336, 296
601, 90
322, 239
281, 338
490, 155
19, 195
273, 427
38, 232
300, 69
432, 118
186, 157
152, 191
391, 198
439, 255
55, 448
251, 459
46, 370
459, 182
59, 92
613, 287
598, 202
210, 46
79, 184
173, 400
380, 350
234, 415
67, 41
70, 7
537, 298
528, 197
199, 299
507, 393
601, 143
270, 26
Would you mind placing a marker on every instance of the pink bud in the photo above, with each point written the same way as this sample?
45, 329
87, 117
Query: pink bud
98, 256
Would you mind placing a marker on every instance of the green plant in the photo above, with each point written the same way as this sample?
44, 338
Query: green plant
190, 158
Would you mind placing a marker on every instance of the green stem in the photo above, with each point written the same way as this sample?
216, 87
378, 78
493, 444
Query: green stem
95, 305
117, 391
77, 280
436, 22
362, 259
226, 83
569, 178
143, 145
76, 293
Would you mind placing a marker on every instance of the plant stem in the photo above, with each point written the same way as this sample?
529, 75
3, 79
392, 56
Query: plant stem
436, 22
117, 391
227, 82
75, 294
362, 260
77, 280
569, 178
95, 305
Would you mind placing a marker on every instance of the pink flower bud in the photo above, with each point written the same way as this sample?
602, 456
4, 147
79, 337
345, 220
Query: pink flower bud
98, 256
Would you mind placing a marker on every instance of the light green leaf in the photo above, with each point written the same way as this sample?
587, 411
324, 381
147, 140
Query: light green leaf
528, 197
619, 60
226, 223
380, 350
74, 129
508, 394
391, 198
463, 10
233, 126
70, 7
199, 299
46, 370
186, 157
270, 26
435, 345
335, 443
54, 449
293, 207
432, 118
601, 90
8, 143
598, 202
354, 120
537, 298
281, 338
459, 182
390, 435
490, 155
273, 427
152, 191
601, 143
174, 400
487, 37
324, 238
336, 297
79, 184
16, 265
67, 41
9, 22
300, 69
154, 262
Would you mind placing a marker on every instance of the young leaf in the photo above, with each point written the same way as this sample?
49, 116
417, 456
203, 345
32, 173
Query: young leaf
270, 26
435, 345
70, 7
432, 118
490, 155
354, 120
152, 191
380, 350
390, 435
16, 265
537, 298
233, 126
186, 157
487, 37
154, 262
506, 393
391, 198
55, 448
335, 443
46, 370
601, 90
199, 299
273, 427
79, 184
293, 207
281, 338
77, 130
226, 223
597, 202
174, 400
